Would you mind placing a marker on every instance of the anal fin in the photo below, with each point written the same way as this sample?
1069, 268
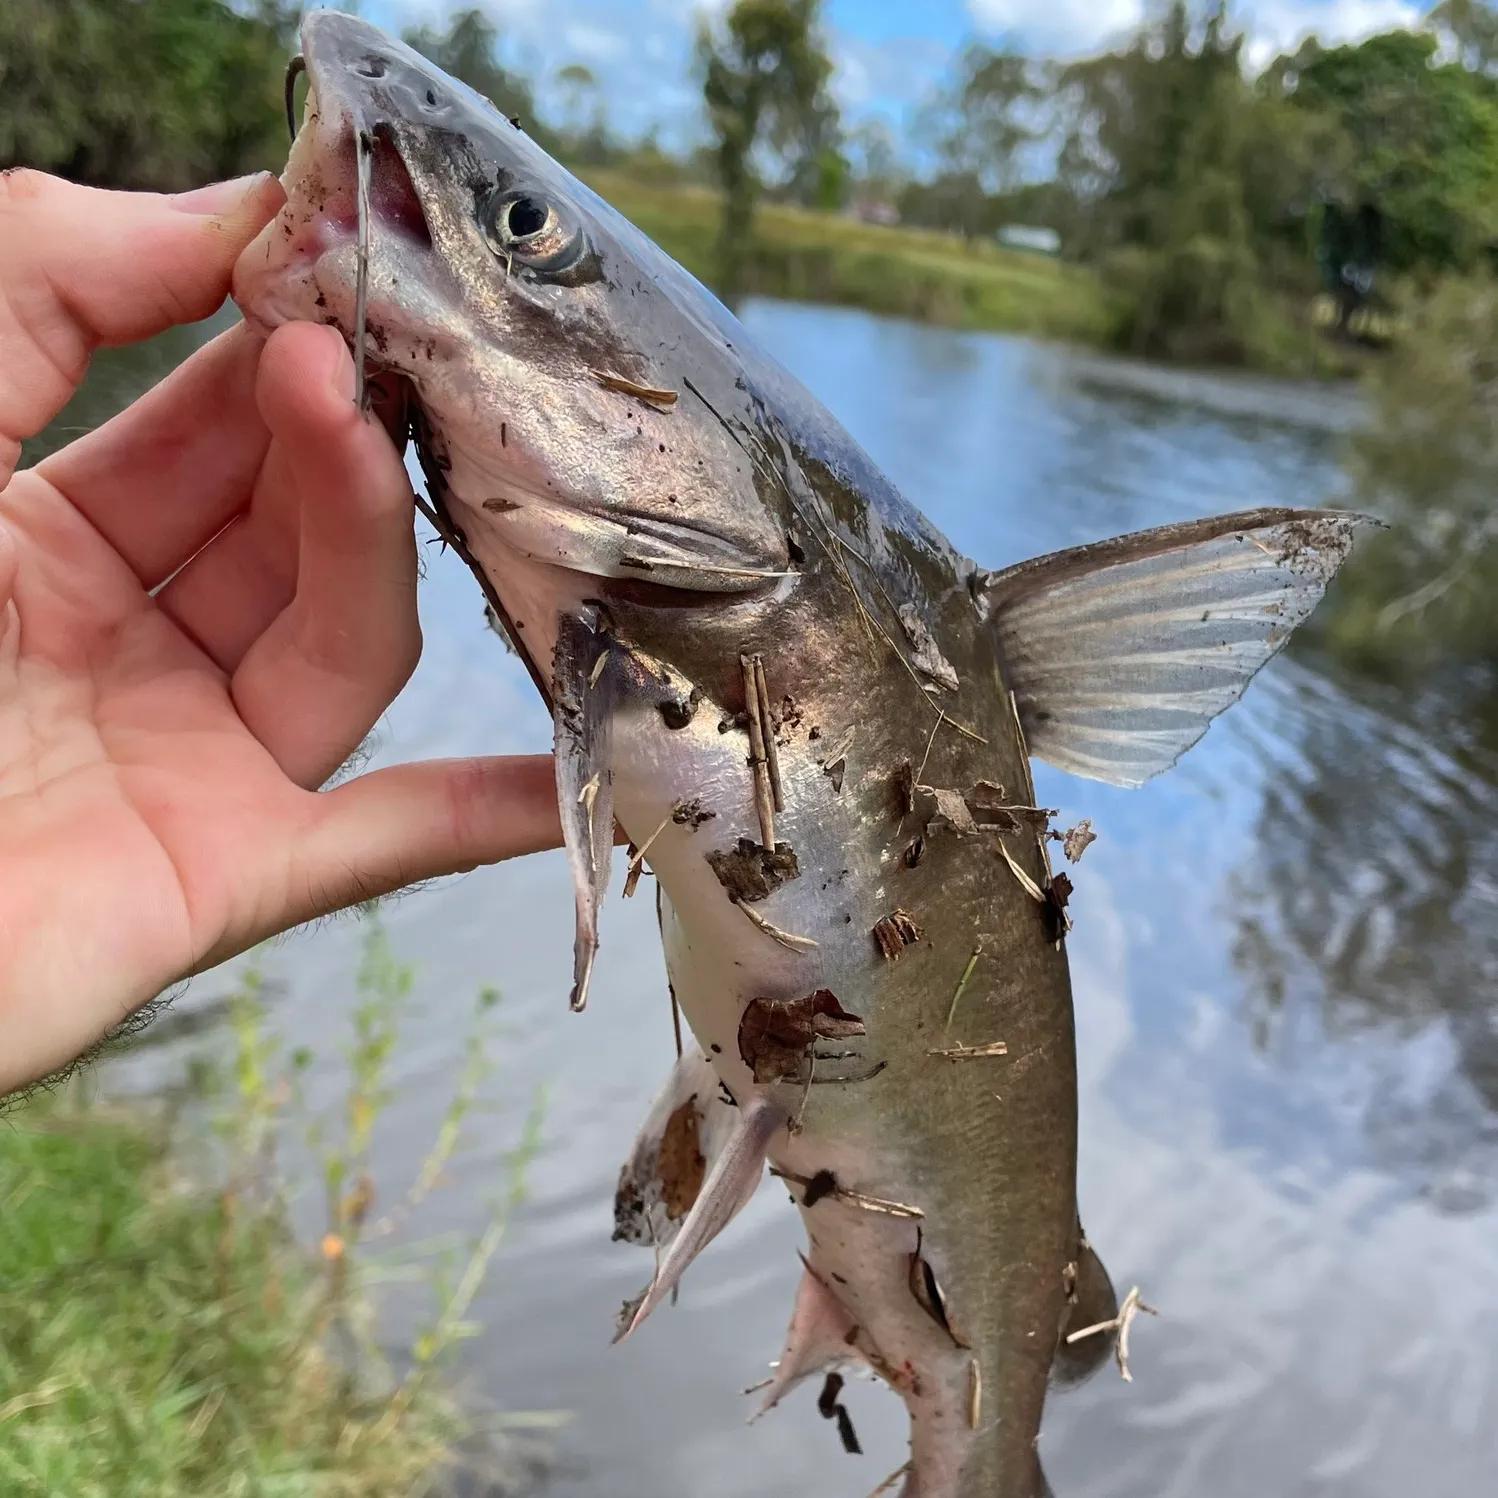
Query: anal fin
1094, 1302
735, 1176
820, 1337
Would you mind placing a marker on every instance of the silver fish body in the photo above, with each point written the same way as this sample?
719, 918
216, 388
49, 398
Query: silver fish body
814, 714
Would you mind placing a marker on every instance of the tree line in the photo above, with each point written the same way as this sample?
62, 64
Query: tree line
1213, 200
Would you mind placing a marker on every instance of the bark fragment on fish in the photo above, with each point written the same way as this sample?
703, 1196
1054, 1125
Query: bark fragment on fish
1075, 841
831, 1407
682, 1164
583, 702
924, 655
776, 1036
692, 814
894, 932
972, 1052
751, 872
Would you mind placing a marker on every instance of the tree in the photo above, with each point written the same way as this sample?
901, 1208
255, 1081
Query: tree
578, 85
1472, 29
166, 95
764, 81
1424, 142
981, 123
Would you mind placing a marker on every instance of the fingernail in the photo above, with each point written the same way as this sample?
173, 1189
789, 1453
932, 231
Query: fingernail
218, 197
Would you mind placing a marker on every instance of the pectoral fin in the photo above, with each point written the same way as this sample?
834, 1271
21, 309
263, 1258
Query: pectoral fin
1121, 653
582, 720
820, 1337
732, 1181
683, 1134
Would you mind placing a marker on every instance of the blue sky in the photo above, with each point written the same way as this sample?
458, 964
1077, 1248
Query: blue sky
888, 52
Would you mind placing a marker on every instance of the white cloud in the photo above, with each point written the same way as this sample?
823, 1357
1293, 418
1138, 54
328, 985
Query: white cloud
1068, 27
1277, 26
1060, 26
895, 72
595, 43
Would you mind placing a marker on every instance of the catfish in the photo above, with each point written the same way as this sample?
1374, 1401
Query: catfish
811, 714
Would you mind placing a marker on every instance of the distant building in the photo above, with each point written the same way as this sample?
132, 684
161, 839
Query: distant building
1030, 237
874, 211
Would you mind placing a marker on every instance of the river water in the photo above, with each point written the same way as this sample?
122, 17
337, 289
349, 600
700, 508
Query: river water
1285, 962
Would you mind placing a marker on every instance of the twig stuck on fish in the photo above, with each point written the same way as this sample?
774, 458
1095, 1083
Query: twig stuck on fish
764, 796
363, 150
767, 732
962, 983
866, 1076
843, 1193
973, 1052
1131, 1307
974, 1395
941, 713
836, 544
785, 938
891, 1480
666, 398
637, 855
586, 797
835, 764
1031, 888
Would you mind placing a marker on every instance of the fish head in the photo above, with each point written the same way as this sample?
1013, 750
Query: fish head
575, 392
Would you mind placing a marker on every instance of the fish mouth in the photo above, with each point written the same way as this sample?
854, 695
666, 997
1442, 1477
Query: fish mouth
370, 101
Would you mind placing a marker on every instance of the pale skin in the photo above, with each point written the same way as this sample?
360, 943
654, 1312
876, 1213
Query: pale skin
160, 756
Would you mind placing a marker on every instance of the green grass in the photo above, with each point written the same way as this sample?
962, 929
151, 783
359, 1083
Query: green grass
905, 272
164, 1335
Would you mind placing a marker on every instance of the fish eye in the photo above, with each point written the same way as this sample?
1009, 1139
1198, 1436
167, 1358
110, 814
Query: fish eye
524, 226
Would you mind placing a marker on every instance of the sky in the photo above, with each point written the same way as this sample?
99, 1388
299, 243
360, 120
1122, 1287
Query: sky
888, 53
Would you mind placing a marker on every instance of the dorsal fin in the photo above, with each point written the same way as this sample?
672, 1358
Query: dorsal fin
1120, 653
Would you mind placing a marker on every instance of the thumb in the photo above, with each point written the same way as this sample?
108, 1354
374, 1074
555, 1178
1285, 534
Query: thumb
81, 267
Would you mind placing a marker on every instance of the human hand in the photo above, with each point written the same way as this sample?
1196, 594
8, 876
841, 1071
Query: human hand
205, 605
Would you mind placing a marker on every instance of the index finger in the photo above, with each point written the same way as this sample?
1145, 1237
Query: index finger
81, 267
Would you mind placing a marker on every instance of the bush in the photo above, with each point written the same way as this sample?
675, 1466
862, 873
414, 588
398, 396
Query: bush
166, 1336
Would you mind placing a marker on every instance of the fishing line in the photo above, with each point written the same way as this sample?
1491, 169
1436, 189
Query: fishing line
363, 147
294, 69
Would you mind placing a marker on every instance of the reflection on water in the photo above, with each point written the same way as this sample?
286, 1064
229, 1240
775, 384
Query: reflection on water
1284, 962
1371, 905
